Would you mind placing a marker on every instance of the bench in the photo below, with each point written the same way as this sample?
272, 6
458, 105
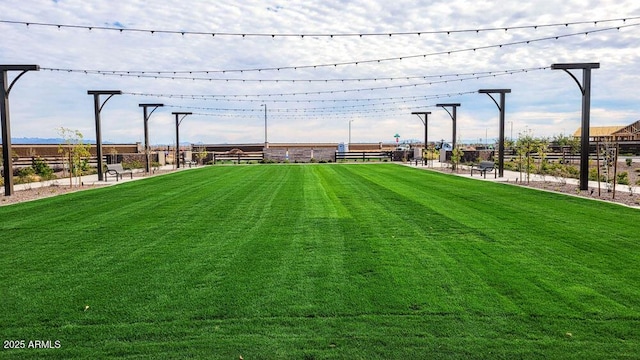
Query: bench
364, 155
483, 167
117, 170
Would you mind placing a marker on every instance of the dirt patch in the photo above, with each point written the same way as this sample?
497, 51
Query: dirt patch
62, 187
41, 193
620, 197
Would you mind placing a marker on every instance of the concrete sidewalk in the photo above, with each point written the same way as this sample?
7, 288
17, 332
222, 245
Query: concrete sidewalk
513, 176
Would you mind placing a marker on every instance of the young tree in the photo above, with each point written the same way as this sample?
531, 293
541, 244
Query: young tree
541, 147
201, 154
525, 149
75, 152
456, 156
567, 143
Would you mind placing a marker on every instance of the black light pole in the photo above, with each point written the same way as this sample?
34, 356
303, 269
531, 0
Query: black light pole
426, 131
6, 126
97, 109
144, 107
425, 122
501, 109
585, 89
178, 122
453, 116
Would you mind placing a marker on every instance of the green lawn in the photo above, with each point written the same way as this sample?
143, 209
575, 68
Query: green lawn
319, 261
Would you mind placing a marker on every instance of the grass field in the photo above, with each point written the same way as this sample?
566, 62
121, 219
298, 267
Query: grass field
319, 261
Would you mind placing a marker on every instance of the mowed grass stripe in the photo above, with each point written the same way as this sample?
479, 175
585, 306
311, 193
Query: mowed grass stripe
367, 261
532, 241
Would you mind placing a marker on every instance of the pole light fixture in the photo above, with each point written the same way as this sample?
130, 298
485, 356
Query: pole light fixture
147, 115
585, 89
178, 122
5, 89
425, 122
501, 108
453, 115
97, 109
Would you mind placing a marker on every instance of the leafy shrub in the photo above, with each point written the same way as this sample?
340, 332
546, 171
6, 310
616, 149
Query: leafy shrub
41, 168
26, 175
135, 164
628, 161
623, 178
593, 175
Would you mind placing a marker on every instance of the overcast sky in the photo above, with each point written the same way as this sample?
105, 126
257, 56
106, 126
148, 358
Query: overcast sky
543, 101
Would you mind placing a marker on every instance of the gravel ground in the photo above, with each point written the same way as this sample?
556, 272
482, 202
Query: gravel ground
63, 187
620, 197
629, 199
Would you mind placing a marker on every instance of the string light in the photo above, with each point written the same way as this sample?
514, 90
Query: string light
322, 115
367, 61
342, 91
340, 80
121, 29
326, 108
393, 98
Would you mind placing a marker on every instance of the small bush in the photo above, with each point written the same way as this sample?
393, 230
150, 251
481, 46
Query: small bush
593, 175
26, 175
628, 161
135, 164
41, 168
623, 178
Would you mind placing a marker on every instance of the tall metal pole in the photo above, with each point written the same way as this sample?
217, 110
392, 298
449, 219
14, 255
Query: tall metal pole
349, 144
6, 121
585, 89
147, 149
178, 122
96, 112
146, 140
453, 116
97, 107
501, 108
425, 122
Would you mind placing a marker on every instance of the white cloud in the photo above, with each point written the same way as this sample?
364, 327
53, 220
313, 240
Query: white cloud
547, 101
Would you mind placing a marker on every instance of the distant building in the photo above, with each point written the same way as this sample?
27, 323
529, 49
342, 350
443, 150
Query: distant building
629, 132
